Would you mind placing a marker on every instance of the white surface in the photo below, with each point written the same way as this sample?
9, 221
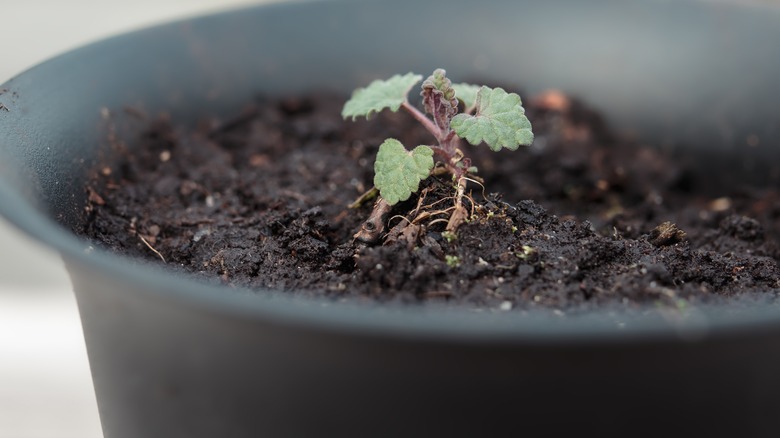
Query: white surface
45, 385
44, 374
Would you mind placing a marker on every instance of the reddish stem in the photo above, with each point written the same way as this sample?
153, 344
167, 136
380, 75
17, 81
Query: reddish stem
442, 154
448, 141
425, 121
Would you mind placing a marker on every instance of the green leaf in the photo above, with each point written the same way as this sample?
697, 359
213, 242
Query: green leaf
380, 95
466, 93
500, 121
439, 99
398, 172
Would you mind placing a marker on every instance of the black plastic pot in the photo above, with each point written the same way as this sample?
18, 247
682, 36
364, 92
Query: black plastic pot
174, 358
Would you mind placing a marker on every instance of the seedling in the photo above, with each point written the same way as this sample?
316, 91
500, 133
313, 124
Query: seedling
452, 261
525, 252
490, 115
449, 236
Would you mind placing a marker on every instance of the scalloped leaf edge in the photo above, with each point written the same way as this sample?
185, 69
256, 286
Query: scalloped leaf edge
504, 126
380, 94
395, 175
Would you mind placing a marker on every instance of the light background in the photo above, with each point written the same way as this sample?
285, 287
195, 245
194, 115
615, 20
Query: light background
45, 386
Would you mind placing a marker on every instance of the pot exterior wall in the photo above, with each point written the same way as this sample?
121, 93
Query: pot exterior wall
163, 368
697, 75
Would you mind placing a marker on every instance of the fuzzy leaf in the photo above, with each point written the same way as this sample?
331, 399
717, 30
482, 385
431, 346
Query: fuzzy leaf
379, 95
500, 121
398, 172
439, 99
466, 93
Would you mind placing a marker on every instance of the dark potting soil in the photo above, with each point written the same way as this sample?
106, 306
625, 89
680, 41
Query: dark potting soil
583, 220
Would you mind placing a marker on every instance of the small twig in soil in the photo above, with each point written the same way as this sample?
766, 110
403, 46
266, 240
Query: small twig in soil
150, 247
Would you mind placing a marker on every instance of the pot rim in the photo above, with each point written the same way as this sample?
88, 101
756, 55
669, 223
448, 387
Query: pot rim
438, 323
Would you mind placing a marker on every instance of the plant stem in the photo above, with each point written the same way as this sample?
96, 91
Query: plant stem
441, 153
448, 141
425, 121
459, 214
374, 226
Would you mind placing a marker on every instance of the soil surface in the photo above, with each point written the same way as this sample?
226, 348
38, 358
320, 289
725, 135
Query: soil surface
584, 220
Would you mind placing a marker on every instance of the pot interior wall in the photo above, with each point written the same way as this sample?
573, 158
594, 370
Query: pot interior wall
697, 76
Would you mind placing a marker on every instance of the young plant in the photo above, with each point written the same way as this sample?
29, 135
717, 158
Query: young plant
491, 116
